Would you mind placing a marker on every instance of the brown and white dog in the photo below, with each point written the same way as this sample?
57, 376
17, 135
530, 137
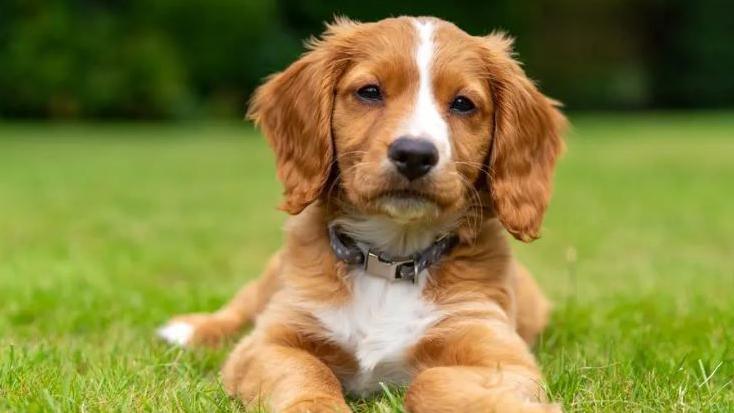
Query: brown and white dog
401, 138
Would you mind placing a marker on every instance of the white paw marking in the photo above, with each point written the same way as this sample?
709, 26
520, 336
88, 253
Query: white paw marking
178, 333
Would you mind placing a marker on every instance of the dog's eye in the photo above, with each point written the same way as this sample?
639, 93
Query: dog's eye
462, 105
370, 93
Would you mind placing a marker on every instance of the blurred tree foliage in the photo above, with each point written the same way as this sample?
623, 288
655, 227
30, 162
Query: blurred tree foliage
182, 58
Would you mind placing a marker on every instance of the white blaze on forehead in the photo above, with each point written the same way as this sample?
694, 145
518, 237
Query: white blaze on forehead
426, 121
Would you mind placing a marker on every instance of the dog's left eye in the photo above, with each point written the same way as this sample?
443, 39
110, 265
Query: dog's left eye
462, 105
370, 93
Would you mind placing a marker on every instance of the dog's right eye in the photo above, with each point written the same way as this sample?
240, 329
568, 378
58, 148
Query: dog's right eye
370, 93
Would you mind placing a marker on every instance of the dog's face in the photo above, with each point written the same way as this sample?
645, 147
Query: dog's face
409, 118
412, 120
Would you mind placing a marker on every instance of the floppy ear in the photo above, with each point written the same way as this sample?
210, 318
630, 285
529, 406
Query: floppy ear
526, 142
293, 108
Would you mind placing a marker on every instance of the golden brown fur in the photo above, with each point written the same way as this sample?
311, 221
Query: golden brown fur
330, 151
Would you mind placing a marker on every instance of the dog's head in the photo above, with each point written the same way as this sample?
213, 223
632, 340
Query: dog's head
408, 118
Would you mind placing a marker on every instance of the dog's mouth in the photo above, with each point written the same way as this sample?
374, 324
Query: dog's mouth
406, 194
407, 205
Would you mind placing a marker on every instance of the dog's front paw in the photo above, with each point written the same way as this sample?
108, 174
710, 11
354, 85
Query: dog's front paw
197, 329
176, 332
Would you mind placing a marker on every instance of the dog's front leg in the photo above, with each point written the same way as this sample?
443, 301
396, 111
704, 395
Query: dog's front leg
210, 329
482, 366
282, 378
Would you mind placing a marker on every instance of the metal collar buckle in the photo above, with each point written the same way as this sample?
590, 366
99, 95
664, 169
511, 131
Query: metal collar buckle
389, 269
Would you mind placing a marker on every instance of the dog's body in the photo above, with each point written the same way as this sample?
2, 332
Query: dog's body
365, 144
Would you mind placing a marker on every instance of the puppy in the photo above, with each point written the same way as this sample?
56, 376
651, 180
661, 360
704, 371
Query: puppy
406, 148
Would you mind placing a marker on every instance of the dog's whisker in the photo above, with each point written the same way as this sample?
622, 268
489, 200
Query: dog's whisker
477, 165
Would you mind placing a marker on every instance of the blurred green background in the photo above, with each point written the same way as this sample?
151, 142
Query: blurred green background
173, 59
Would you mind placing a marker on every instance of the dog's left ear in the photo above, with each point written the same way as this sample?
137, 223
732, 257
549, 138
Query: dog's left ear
526, 142
293, 108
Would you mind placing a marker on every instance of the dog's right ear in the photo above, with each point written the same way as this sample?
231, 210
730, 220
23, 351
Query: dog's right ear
527, 140
293, 108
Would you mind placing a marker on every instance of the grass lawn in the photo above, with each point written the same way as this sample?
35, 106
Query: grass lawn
107, 230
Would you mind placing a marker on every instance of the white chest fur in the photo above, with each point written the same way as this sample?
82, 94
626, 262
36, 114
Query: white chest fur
382, 320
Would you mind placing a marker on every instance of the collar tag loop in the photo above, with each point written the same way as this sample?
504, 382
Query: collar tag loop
390, 269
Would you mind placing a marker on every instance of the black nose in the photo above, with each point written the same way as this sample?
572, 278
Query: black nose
413, 157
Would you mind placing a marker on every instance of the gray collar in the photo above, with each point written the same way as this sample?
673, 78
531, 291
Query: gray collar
382, 265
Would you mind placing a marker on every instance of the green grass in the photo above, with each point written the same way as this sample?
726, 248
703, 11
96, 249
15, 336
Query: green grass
107, 230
